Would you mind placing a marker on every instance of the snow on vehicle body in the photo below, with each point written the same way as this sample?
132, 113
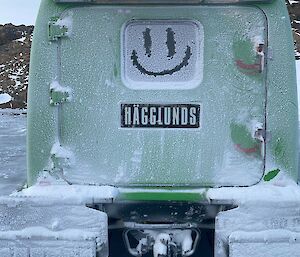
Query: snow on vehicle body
175, 121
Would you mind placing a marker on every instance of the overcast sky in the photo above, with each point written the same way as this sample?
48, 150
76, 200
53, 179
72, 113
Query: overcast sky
18, 11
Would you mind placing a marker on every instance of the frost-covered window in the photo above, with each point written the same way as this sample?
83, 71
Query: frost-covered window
162, 54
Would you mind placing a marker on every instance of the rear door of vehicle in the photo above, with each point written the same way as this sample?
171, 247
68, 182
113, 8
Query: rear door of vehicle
130, 67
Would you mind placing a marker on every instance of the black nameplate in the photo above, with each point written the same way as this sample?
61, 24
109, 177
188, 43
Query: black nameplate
160, 115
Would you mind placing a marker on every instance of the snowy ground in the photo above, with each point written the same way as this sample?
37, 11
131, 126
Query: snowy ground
13, 147
12, 150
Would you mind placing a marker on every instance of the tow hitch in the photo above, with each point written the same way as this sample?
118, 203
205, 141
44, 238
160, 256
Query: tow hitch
164, 240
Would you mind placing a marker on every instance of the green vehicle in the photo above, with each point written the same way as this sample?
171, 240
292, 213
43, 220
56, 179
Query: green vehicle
159, 128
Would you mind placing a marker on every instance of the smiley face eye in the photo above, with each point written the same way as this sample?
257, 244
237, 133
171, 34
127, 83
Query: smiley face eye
171, 43
147, 41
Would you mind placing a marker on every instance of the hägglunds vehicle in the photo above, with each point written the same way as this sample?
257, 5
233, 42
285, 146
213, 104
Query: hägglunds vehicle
159, 128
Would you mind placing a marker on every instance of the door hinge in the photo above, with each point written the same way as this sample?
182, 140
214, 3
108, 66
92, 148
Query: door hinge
61, 158
59, 94
58, 97
56, 29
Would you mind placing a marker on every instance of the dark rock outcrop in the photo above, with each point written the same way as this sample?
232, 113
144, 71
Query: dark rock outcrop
10, 32
15, 43
294, 11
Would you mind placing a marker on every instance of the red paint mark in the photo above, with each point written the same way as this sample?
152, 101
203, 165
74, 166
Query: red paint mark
246, 66
246, 150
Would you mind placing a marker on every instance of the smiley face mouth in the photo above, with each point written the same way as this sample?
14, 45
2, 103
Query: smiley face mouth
184, 63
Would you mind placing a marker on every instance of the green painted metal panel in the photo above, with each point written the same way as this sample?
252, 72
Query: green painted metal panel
230, 95
66, 122
282, 105
157, 195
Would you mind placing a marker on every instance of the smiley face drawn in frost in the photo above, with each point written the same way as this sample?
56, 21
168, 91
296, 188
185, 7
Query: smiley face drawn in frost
162, 54
171, 46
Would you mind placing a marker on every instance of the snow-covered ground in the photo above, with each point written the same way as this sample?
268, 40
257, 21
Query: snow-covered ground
12, 150
13, 147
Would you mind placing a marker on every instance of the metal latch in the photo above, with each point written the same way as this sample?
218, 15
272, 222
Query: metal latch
56, 29
60, 158
258, 66
262, 135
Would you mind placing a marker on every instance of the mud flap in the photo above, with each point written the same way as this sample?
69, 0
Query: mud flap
259, 229
31, 228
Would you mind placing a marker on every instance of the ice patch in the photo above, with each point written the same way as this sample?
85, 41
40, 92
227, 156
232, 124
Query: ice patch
185, 239
280, 189
160, 245
70, 234
5, 98
58, 191
61, 152
75, 194
55, 86
66, 22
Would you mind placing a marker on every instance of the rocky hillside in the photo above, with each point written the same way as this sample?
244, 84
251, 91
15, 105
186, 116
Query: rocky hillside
294, 10
15, 42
